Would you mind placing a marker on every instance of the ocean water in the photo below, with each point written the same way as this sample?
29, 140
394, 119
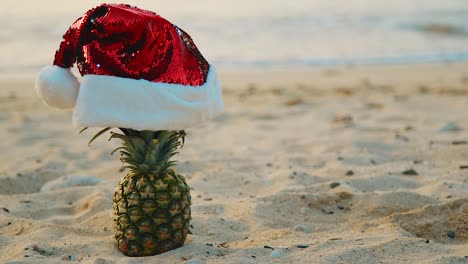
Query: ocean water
262, 33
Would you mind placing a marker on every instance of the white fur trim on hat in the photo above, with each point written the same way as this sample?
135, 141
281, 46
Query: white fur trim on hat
57, 87
109, 101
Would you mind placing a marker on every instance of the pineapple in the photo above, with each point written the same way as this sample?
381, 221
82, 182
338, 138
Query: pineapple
151, 205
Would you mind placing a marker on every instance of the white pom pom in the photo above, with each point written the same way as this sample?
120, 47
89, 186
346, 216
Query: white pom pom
57, 86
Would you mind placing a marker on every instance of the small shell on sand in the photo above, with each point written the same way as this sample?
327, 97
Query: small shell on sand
302, 228
276, 254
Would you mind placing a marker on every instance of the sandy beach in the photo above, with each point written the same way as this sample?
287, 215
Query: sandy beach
364, 164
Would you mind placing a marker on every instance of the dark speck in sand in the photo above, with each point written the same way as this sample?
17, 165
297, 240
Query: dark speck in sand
327, 211
294, 101
459, 142
427, 241
451, 234
302, 246
269, 164
41, 251
401, 137
5, 209
224, 244
410, 172
266, 246
343, 119
350, 173
333, 185
442, 29
340, 207
463, 167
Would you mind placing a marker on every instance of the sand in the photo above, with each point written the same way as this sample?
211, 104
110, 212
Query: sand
339, 165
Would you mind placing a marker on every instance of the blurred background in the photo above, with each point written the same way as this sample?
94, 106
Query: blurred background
245, 34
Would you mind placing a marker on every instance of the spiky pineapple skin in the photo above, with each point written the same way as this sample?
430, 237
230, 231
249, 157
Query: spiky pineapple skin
151, 213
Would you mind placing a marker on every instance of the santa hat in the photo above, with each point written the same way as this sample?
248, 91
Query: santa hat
139, 71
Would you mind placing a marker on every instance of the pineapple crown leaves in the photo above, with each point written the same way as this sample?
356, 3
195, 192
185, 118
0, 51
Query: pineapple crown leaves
146, 151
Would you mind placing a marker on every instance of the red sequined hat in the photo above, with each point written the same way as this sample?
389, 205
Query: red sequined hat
139, 71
